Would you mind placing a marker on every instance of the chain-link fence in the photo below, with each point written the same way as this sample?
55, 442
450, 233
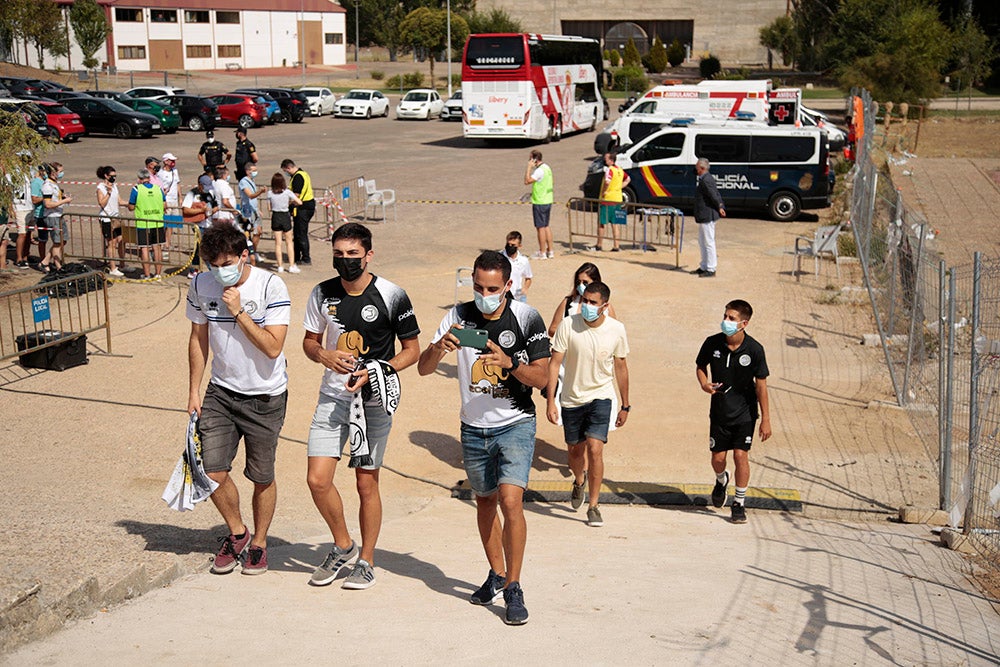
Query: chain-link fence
939, 329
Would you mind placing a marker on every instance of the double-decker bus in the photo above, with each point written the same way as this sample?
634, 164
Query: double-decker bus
526, 86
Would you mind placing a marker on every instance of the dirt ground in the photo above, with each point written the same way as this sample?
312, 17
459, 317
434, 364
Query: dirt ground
88, 451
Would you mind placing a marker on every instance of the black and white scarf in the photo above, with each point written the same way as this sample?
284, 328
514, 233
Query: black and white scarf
383, 384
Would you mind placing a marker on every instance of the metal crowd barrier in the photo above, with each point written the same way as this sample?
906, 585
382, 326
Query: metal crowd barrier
28, 314
648, 227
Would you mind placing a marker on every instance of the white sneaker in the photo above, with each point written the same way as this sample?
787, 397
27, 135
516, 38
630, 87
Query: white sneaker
551, 254
538, 255
116, 273
281, 269
294, 269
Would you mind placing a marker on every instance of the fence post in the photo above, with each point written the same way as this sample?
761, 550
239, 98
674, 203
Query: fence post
973, 393
950, 382
915, 309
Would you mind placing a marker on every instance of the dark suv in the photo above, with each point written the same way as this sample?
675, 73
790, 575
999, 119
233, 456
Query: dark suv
294, 105
197, 113
109, 116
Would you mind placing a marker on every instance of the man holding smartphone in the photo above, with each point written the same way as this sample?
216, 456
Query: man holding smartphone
498, 416
361, 316
539, 177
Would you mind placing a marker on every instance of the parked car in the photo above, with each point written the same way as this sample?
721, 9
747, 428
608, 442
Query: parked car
33, 117
110, 95
111, 117
170, 118
240, 109
294, 104
321, 100
452, 109
63, 123
362, 103
59, 95
273, 108
154, 91
19, 85
197, 113
420, 103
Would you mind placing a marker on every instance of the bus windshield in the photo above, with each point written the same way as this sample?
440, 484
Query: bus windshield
494, 52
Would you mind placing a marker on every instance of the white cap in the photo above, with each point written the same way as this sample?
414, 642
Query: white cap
169, 156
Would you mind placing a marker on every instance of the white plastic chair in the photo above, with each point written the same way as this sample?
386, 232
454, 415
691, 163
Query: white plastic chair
823, 242
377, 198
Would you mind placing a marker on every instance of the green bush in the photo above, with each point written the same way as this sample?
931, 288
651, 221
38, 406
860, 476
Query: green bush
631, 57
456, 81
657, 56
413, 80
394, 81
378, 74
615, 58
630, 78
709, 67
675, 54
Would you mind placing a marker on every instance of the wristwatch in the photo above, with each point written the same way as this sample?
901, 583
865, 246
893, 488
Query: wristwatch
514, 363
626, 408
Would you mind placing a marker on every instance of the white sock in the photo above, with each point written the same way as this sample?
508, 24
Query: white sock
741, 495
721, 478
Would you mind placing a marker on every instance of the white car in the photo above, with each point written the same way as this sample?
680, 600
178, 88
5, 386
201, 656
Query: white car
361, 103
153, 91
452, 109
420, 103
321, 100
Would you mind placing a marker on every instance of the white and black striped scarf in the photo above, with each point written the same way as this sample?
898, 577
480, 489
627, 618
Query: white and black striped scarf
383, 384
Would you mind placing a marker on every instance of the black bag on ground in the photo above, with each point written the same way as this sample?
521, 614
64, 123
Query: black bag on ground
94, 281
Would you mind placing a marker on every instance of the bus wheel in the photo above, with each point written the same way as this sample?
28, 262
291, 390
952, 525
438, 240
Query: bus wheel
594, 124
784, 207
552, 130
557, 132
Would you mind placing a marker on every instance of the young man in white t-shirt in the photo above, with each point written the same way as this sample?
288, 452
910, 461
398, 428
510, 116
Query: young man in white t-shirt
520, 267
592, 345
497, 417
241, 313
224, 195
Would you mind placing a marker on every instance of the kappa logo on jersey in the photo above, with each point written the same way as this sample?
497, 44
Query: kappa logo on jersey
331, 306
506, 338
744, 360
369, 313
494, 375
353, 342
251, 307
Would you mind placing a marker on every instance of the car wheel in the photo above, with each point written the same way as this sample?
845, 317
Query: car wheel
385, 114
123, 130
628, 196
286, 116
196, 124
297, 119
368, 113
245, 121
784, 207
71, 138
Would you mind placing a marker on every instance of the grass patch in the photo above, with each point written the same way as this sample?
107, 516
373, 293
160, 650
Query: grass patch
821, 93
963, 113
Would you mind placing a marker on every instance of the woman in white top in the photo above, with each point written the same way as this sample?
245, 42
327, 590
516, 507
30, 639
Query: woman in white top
281, 219
53, 202
109, 203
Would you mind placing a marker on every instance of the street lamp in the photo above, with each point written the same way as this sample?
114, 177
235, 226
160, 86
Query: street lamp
357, 38
448, 49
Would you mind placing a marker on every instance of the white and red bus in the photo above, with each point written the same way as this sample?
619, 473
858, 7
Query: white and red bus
526, 86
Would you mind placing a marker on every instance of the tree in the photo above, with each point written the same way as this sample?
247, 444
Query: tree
631, 57
814, 21
675, 54
780, 36
42, 25
495, 20
20, 149
709, 66
657, 55
91, 28
973, 54
427, 28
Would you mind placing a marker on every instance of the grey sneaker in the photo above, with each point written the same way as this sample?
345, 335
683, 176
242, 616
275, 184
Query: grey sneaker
335, 560
579, 491
361, 577
513, 597
490, 591
594, 517
719, 495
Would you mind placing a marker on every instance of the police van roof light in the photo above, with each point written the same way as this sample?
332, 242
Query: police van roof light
682, 122
745, 115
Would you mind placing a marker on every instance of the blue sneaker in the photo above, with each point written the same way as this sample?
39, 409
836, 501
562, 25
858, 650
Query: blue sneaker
490, 591
517, 613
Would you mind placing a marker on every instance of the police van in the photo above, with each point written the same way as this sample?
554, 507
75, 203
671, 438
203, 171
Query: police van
782, 170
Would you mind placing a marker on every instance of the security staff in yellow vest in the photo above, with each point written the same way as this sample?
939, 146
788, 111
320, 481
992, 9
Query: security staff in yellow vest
147, 201
301, 185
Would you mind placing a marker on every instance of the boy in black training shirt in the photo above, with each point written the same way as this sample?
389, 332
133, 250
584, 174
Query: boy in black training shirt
738, 385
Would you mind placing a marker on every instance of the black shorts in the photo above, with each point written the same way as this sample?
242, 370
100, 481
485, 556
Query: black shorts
147, 236
724, 437
107, 232
281, 221
540, 214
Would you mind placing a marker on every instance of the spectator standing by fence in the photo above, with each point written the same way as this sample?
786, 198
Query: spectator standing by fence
170, 181
611, 197
708, 207
301, 187
109, 203
37, 220
198, 207
53, 202
147, 201
280, 198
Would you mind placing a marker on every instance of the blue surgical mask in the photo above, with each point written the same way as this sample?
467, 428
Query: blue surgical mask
581, 288
590, 312
488, 305
228, 275
60, 174
729, 328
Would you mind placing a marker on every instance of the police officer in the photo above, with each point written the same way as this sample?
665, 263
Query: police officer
246, 153
213, 153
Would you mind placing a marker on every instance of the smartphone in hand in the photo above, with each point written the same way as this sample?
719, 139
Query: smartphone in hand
475, 338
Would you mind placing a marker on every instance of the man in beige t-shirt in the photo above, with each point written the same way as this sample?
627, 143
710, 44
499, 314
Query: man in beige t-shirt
593, 347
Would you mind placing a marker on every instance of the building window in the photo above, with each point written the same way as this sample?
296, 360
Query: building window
199, 50
128, 15
230, 51
163, 16
131, 52
227, 17
333, 38
192, 16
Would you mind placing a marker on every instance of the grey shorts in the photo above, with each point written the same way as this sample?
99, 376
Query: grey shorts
227, 416
330, 429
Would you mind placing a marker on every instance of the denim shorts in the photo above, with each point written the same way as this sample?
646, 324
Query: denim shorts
329, 431
58, 231
501, 455
226, 416
587, 421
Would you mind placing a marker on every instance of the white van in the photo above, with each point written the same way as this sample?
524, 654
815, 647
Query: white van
783, 170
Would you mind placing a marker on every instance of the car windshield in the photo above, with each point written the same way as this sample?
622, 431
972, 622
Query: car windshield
358, 95
55, 108
457, 96
415, 97
115, 105
310, 93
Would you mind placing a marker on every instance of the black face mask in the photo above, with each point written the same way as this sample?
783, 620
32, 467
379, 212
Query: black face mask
112, 179
349, 268
511, 249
